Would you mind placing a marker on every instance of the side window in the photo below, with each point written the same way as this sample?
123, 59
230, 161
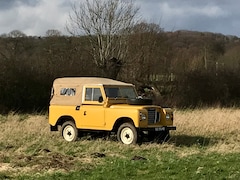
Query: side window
88, 95
68, 91
97, 94
92, 94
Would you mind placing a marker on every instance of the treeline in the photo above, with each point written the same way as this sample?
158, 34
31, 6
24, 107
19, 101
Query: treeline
186, 68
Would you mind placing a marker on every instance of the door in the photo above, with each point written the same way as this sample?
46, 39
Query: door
92, 110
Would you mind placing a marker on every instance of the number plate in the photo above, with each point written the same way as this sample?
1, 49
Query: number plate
160, 129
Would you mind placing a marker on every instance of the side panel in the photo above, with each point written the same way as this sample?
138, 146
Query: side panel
55, 112
86, 117
112, 114
91, 116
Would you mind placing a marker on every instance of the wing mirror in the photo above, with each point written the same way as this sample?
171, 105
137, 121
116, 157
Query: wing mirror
100, 99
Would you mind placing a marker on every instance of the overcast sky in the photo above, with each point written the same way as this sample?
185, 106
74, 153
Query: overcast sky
35, 17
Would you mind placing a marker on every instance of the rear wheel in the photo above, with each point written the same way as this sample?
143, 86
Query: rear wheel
69, 131
127, 134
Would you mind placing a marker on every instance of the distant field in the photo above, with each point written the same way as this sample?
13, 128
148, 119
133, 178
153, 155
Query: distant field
206, 145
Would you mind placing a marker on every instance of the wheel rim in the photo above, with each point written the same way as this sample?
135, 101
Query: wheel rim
69, 133
127, 135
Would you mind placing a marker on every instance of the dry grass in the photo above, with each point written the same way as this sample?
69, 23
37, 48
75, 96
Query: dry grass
27, 145
208, 121
215, 128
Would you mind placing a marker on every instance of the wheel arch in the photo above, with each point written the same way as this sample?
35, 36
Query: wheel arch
63, 119
120, 121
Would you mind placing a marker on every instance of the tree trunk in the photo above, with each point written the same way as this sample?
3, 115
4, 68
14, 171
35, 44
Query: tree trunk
112, 68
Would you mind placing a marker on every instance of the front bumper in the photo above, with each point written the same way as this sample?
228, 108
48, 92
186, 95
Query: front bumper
162, 128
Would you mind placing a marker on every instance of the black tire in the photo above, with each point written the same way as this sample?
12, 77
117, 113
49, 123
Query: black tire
127, 134
139, 101
69, 131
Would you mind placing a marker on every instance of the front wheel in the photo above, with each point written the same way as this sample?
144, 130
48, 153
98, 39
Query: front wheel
69, 131
127, 134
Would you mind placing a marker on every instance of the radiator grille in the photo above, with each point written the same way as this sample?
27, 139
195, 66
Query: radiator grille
153, 116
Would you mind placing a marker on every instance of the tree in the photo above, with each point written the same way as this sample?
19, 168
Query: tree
144, 51
4, 35
53, 33
16, 34
107, 24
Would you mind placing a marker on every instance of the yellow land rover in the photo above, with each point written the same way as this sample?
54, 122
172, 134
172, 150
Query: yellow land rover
100, 104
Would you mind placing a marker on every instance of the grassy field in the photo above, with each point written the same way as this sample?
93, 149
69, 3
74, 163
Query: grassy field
206, 145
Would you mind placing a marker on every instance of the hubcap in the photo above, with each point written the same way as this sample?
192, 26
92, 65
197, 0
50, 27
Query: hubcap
68, 133
127, 135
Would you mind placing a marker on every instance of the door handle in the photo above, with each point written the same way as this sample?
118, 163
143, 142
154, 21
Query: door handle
85, 113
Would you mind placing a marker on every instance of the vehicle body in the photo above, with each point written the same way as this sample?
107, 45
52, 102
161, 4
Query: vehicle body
100, 104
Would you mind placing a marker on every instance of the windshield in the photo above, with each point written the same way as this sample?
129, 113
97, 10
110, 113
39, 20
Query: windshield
120, 92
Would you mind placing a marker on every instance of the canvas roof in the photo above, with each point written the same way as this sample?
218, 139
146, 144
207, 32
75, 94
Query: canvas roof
78, 83
88, 80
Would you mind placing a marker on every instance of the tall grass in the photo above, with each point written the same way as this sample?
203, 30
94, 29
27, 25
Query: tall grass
216, 127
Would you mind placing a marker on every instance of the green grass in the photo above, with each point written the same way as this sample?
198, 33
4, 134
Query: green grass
166, 166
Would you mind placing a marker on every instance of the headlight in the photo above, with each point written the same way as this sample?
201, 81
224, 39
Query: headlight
168, 116
142, 116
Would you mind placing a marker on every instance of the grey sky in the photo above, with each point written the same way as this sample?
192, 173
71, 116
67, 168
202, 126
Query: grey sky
35, 17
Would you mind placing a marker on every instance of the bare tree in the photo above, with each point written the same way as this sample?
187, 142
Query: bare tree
107, 24
53, 33
145, 51
16, 34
